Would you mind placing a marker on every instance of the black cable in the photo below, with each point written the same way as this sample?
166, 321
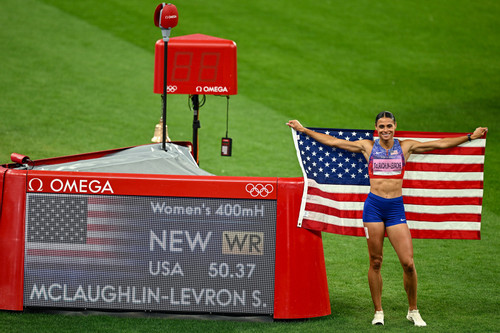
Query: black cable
227, 115
201, 102
227, 112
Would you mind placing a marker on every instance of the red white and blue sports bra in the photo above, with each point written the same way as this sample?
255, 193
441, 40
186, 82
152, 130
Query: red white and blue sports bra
387, 163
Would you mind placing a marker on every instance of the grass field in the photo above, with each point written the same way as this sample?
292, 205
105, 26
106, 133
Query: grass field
77, 77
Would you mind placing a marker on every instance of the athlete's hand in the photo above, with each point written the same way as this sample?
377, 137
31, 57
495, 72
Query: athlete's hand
478, 132
296, 125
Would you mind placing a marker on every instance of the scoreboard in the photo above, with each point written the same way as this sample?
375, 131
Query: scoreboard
163, 243
150, 253
197, 64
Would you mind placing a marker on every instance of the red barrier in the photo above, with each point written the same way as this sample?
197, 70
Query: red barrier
12, 238
300, 284
301, 287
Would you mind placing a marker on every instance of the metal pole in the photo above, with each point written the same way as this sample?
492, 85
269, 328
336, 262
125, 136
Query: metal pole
164, 96
196, 124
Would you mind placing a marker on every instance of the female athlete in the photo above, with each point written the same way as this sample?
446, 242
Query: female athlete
383, 210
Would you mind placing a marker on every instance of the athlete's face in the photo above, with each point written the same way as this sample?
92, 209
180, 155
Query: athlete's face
385, 128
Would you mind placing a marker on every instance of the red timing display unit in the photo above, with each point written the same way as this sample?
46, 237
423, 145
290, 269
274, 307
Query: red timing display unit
165, 243
197, 64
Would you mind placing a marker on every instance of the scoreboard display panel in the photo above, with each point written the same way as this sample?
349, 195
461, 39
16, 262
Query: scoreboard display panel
155, 253
197, 64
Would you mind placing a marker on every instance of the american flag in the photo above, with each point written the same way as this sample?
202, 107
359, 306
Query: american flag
442, 189
64, 232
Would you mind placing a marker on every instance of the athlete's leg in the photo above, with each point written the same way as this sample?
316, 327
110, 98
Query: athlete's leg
400, 238
375, 241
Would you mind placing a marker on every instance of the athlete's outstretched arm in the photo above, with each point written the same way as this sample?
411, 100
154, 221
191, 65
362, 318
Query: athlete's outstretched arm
352, 146
420, 147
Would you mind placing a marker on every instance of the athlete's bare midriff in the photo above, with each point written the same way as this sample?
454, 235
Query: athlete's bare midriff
386, 188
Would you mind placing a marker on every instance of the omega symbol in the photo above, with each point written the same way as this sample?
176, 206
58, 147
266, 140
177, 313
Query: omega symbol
35, 182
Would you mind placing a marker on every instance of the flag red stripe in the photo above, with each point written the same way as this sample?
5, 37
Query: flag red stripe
104, 214
338, 196
444, 167
102, 227
426, 135
445, 234
441, 184
70, 253
332, 228
438, 201
457, 151
458, 217
347, 214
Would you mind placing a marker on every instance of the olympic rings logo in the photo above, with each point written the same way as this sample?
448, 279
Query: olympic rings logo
259, 189
171, 89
